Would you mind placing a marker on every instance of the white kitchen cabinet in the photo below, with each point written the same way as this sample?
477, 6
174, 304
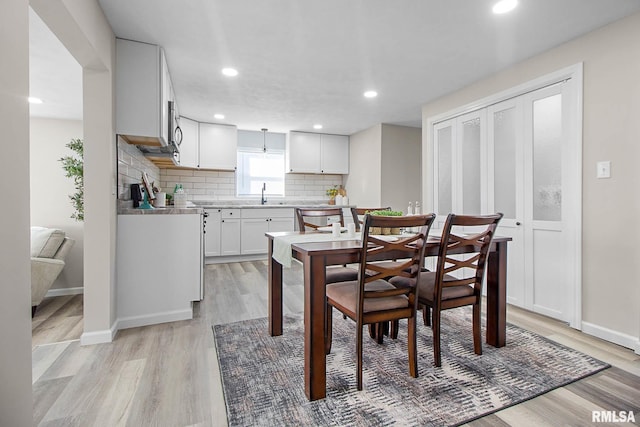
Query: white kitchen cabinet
317, 153
303, 152
143, 92
189, 147
159, 268
230, 232
257, 221
334, 154
222, 232
218, 146
212, 232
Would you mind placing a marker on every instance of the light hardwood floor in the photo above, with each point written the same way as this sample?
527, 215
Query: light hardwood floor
167, 375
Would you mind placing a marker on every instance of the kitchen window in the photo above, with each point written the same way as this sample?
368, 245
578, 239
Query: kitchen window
257, 166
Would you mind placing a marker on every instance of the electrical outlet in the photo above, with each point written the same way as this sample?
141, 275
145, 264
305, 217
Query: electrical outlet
603, 169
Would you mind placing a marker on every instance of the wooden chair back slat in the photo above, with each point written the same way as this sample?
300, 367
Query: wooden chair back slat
303, 213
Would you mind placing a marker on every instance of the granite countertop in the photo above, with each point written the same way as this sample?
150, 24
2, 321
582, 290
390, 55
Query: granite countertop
269, 205
198, 206
160, 211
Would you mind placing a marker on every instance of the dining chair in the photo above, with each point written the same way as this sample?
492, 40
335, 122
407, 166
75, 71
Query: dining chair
458, 279
358, 214
304, 216
373, 300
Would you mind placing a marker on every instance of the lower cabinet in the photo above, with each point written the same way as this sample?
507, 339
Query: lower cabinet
230, 233
159, 268
212, 232
241, 231
222, 232
256, 222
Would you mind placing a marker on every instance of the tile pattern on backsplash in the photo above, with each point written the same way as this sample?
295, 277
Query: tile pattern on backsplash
207, 184
221, 185
131, 164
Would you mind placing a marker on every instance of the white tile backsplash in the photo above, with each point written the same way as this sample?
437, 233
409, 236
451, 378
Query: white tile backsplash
209, 185
221, 185
131, 164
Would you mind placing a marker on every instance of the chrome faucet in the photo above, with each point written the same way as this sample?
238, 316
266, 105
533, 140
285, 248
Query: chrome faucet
263, 200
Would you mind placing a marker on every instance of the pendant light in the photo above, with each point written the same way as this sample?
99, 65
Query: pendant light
264, 140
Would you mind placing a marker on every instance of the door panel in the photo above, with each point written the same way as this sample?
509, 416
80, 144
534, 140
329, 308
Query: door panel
549, 280
546, 236
472, 155
505, 188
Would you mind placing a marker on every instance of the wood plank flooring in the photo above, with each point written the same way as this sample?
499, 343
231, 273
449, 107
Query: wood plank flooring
167, 375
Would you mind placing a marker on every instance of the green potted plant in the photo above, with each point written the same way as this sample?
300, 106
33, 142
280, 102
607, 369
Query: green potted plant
73, 165
332, 193
379, 230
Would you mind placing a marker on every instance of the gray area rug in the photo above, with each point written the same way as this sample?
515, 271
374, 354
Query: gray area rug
263, 379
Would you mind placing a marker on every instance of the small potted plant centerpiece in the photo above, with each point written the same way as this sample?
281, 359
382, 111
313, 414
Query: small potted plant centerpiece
332, 193
378, 230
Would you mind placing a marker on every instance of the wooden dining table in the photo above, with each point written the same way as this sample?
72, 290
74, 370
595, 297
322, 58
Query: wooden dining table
316, 256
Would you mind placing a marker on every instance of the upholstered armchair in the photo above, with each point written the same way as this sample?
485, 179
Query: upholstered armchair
49, 248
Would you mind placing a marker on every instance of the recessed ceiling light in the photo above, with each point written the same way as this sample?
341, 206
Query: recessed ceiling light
370, 94
317, 126
504, 6
230, 72
219, 116
33, 100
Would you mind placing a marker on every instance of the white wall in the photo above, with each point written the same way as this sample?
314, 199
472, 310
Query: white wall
16, 400
83, 29
50, 188
610, 291
365, 173
384, 167
401, 149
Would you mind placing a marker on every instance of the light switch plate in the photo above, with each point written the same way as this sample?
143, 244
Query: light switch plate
603, 169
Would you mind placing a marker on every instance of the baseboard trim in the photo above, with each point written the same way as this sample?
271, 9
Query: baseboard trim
58, 292
610, 335
99, 337
234, 258
152, 319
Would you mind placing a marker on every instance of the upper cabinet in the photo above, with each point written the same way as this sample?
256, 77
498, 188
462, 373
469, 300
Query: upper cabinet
190, 141
218, 146
334, 154
143, 92
317, 153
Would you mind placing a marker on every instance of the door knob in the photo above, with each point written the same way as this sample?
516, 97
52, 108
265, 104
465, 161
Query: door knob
518, 223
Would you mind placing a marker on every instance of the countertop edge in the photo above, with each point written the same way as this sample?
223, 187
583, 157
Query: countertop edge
161, 211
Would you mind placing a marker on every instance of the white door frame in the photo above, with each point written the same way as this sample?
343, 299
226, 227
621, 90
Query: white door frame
573, 209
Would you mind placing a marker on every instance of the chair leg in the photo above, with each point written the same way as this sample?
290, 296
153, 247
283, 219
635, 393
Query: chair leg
426, 315
376, 332
477, 336
328, 329
359, 356
412, 346
436, 337
380, 330
373, 331
393, 330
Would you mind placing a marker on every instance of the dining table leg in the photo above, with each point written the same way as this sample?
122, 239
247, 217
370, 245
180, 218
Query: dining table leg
497, 295
275, 294
315, 368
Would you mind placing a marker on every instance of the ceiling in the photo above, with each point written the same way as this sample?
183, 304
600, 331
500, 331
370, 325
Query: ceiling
306, 62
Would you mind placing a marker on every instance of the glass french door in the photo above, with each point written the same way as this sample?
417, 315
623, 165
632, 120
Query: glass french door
519, 157
460, 153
